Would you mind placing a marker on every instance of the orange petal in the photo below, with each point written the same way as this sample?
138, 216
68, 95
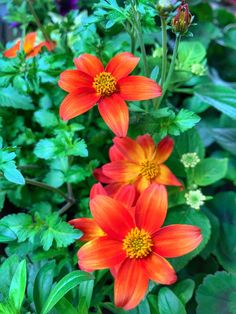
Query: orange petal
111, 215
100, 176
121, 171
89, 227
126, 195
122, 64
142, 183
72, 80
151, 208
159, 269
147, 144
89, 64
131, 284
29, 42
166, 177
176, 240
164, 149
100, 253
114, 112
97, 189
11, 53
115, 154
75, 104
130, 149
138, 88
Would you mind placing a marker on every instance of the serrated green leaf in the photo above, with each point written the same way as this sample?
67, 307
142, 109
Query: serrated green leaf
168, 302
10, 97
67, 283
186, 119
6, 234
190, 52
46, 118
45, 149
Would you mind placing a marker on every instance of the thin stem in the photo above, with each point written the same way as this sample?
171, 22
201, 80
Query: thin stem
171, 69
70, 202
142, 47
37, 21
164, 50
184, 90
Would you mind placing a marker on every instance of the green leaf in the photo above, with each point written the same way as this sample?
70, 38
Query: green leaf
187, 216
46, 118
186, 119
190, 52
223, 206
67, 283
168, 302
7, 271
10, 97
64, 306
143, 307
6, 234
214, 294
220, 97
85, 293
45, 149
55, 178
79, 149
18, 285
43, 285
210, 170
184, 290
11, 173
226, 138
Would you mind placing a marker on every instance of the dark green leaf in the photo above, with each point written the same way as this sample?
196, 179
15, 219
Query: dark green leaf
168, 302
226, 138
6, 234
184, 290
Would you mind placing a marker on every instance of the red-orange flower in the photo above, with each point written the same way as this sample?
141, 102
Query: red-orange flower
137, 162
90, 83
134, 247
29, 47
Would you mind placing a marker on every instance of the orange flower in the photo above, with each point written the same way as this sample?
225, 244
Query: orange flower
28, 47
134, 247
137, 162
90, 83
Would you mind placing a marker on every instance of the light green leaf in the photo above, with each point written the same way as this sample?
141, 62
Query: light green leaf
45, 149
6, 234
67, 283
46, 118
11, 173
191, 52
10, 97
168, 302
186, 119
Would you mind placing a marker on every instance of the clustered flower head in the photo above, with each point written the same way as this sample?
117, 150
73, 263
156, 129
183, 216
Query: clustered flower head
195, 199
190, 160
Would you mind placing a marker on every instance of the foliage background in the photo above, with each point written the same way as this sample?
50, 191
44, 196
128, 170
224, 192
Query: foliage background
38, 271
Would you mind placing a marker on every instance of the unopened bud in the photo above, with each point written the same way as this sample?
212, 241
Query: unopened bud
182, 20
164, 7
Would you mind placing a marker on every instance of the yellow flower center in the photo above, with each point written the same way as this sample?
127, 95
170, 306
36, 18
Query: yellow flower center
149, 169
104, 84
137, 243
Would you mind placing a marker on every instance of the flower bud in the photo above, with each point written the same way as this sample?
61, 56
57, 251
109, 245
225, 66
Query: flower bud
182, 20
195, 199
164, 7
190, 160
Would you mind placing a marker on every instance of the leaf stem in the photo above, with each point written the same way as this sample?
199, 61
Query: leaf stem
164, 50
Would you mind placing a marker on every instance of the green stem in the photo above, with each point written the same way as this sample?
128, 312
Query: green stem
184, 90
142, 47
37, 21
164, 50
171, 69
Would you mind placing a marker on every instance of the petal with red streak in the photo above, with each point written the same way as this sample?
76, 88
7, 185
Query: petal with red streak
115, 154
101, 253
74, 104
138, 88
112, 217
115, 113
131, 284
176, 240
126, 195
89, 64
147, 144
97, 189
11, 52
113, 188
100, 176
151, 208
159, 269
166, 177
89, 227
73, 80
122, 65
164, 149
130, 149
121, 171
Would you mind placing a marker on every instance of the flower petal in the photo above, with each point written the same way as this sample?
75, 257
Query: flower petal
29, 42
73, 80
151, 208
130, 149
11, 52
114, 112
113, 188
147, 144
100, 253
138, 88
100, 176
89, 227
159, 269
166, 177
142, 183
74, 104
164, 149
126, 195
89, 64
121, 171
176, 240
111, 215
131, 284
122, 65
115, 154
97, 189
